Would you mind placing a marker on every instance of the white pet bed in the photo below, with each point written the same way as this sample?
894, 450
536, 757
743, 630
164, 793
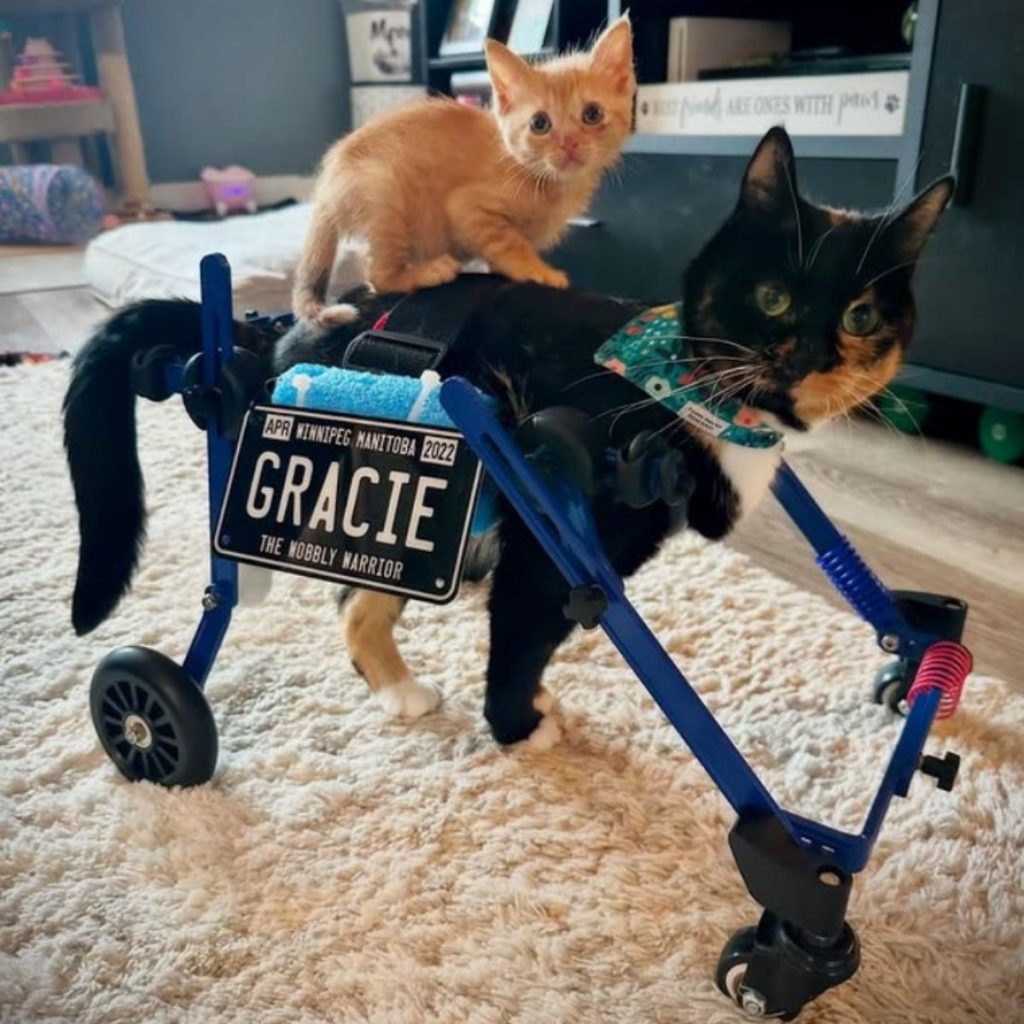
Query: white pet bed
160, 259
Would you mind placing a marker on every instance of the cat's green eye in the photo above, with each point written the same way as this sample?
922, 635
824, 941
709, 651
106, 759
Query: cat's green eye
592, 114
540, 123
772, 299
861, 318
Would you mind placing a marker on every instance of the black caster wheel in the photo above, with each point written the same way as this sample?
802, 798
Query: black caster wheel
152, 719
892, 684
732, 969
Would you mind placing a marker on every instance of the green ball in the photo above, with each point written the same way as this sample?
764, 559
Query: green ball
904, 407
1001, 434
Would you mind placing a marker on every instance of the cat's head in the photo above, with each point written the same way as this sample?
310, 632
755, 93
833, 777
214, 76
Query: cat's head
570, 116
802, 310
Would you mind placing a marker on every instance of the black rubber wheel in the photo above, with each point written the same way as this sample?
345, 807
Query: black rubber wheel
732, 964
152, 719
892, 684
732, 969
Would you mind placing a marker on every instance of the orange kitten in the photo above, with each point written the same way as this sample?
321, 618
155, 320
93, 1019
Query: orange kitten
436, 183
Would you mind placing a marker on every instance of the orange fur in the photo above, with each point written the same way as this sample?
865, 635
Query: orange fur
436, 183
821, 396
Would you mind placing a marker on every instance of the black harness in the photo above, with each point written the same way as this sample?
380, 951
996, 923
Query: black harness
418, 332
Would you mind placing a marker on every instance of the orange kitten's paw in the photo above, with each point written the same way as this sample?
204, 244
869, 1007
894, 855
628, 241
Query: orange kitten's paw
543, 274
338, 315
433, 272
307, 309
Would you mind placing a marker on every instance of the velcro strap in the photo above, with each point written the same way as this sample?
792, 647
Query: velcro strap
390, 352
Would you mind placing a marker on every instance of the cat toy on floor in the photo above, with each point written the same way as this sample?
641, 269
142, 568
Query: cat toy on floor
154, 721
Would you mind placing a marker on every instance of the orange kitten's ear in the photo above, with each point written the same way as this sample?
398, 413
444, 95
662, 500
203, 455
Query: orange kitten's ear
509, 74
612, 54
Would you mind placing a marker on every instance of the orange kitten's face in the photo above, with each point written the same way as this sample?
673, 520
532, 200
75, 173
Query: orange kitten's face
572, 115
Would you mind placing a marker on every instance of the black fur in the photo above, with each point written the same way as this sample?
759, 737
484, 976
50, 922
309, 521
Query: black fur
531, 347
99, 435
824, 259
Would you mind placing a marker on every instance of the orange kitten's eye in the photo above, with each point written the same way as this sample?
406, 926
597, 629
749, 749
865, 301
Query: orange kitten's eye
592, 114
540, 123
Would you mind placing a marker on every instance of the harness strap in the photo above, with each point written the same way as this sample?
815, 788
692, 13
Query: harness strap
418, 332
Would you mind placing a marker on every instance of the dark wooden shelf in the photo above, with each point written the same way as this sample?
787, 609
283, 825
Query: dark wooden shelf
858, 147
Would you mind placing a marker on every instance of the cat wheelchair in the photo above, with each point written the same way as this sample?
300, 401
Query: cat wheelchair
154, 722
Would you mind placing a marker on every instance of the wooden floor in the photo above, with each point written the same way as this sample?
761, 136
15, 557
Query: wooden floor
44, 304
926, 515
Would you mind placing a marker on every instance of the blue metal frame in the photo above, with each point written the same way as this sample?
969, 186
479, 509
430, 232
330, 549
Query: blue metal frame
560, 519
218, 345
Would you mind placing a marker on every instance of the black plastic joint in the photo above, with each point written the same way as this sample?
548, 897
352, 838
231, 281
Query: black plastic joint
586, 605
936, 615
798, 885
943, 769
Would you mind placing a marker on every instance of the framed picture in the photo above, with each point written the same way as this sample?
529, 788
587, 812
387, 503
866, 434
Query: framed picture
469, 24
530, 26
379, 45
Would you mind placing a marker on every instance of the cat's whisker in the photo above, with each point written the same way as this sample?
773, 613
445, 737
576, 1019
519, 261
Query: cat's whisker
799, 224
818, 243
886, 219
721, 341
675, 361
891, 270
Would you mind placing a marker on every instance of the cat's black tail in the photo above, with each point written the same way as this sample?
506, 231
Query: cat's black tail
99, 436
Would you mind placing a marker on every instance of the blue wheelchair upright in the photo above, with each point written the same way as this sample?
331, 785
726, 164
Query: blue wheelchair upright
154, 722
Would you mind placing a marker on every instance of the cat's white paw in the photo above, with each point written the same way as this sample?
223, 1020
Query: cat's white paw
545, 736
408, 698
545, 701
338, 315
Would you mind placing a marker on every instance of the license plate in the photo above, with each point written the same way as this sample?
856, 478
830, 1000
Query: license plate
375, 503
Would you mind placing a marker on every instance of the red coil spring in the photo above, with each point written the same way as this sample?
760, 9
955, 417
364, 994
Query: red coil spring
945, 666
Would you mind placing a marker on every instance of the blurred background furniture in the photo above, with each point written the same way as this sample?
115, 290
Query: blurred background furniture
90, 35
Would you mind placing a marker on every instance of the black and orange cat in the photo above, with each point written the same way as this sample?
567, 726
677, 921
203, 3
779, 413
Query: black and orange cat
798, 311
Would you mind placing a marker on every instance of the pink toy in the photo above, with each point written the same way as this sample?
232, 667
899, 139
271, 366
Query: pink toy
40, 76
229, 188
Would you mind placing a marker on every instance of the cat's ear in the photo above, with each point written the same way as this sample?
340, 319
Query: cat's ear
770, 177
910, 230
509, 73
612, 54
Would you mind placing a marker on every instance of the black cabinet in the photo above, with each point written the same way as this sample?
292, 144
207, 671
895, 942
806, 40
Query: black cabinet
652, 216
671, 191
970, 284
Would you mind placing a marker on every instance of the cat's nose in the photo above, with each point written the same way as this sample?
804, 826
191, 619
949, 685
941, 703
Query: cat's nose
570, 144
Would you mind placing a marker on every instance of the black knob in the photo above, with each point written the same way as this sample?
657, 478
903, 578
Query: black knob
943, 770
586, 605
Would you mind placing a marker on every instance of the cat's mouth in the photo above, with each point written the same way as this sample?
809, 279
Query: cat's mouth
812, 399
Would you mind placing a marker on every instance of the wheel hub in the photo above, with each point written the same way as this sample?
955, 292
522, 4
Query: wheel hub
137, 732
753, 1003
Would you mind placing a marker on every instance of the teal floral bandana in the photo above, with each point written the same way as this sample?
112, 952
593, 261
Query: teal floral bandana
650, 352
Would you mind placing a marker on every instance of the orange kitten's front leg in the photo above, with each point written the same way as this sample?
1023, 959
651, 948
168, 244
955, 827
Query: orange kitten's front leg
487, 233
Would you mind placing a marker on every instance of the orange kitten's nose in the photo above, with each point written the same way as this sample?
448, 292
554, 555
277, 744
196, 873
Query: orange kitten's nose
570, 144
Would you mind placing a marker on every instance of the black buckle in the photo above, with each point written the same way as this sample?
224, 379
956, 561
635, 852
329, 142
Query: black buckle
390, 352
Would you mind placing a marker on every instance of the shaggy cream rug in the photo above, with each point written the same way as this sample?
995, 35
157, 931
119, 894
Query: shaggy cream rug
343, 867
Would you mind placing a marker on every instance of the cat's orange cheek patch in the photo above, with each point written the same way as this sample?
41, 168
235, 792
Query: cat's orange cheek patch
821, 396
